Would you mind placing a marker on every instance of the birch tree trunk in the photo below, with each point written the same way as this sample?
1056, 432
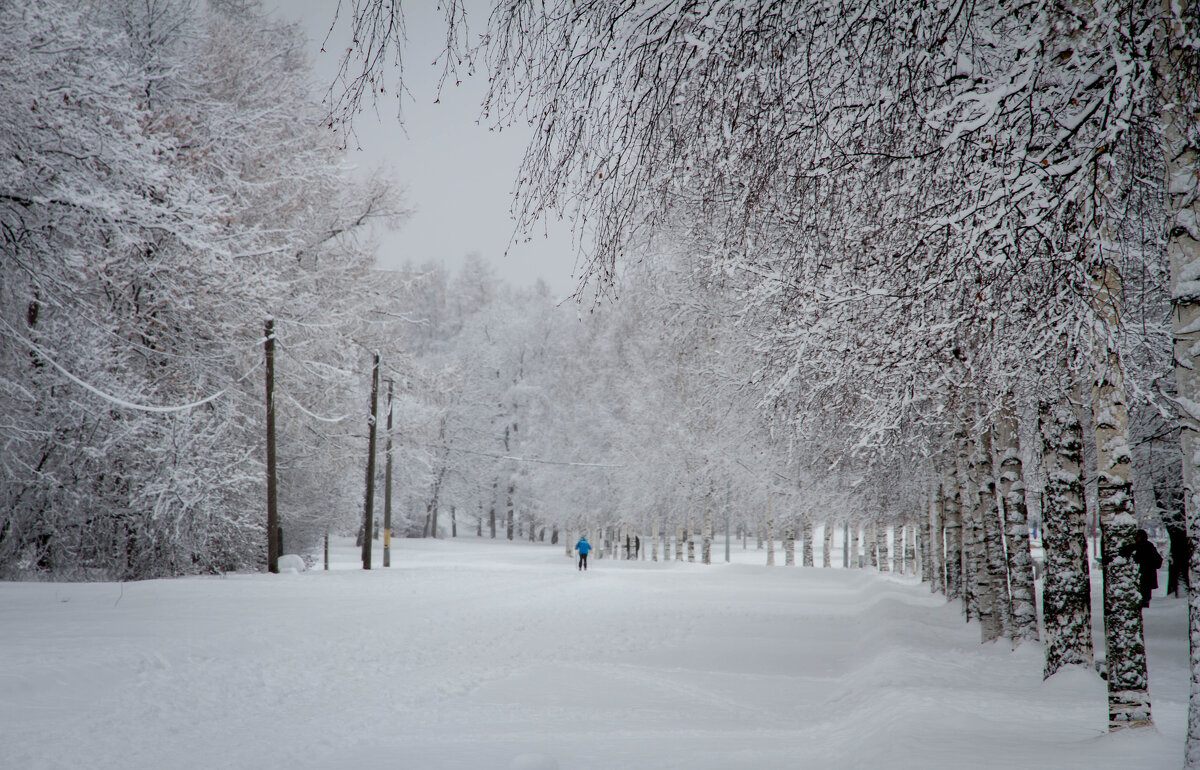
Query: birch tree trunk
806, 530
678, 542
1128, 689
789, 544
952, 522
937, 542
1066, 595
706, 546
910, 550
972, 529
1020, 562
654, 540
994, 570
924, 543
871, 545
691, 538
1180, 118
855, 559
881, 547
827, 553
845, 544
771, 542
898, 564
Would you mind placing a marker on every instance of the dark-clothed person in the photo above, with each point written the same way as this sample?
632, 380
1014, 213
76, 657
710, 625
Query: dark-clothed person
1142, 551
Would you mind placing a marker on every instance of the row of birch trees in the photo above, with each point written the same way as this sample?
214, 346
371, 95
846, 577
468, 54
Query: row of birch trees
964, 237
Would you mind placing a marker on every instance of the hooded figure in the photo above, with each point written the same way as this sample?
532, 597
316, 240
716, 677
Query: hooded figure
1148, 560
583, 546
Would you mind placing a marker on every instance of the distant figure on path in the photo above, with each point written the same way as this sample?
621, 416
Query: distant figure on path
1148, 560
583, 546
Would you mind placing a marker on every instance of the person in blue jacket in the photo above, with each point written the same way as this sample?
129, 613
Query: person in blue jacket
583, 546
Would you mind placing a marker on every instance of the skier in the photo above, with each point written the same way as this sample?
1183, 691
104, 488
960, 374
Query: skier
1148, 560
583, 546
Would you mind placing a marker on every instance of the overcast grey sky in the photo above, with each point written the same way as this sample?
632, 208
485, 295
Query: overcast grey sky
457, 175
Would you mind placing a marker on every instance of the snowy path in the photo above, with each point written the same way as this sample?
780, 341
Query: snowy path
468, 654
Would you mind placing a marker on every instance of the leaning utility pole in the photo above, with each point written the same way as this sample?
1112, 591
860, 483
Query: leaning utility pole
369, 507
272, 489
387, 485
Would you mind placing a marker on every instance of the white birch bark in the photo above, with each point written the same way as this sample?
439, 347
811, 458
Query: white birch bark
937, 541
871, 545
910, 550
1012, 494
706, 546
789, 544
827, 553
993, 566
654, 540
678, 542
972, 530
1066, 595
1128, 688
845, 544
952, 522
771, 542
881, 547
898, 563
806, 530
691, 538
1181, 129
855, 559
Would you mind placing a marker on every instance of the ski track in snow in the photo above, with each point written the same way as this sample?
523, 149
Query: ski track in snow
481, 654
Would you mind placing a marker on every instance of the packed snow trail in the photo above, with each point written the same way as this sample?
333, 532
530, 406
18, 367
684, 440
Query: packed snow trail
479, 654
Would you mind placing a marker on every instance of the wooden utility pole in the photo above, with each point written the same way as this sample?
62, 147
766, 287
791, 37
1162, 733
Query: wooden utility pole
272, 489
369, 507
387, 485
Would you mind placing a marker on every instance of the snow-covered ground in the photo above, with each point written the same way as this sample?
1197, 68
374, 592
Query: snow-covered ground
480, 654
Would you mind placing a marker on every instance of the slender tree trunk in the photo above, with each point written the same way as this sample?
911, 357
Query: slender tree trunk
1128, 689
1066, 594
508, 512
654, 540
855, 561
827, 553
771, 542
994, 569
972, 527
691, 539
706, 546
871, 544
806, 531
952, 523
492, 510
1020, 562
937, 542
910, 550
789, 544
845, 545
898, 564
678, 542
881, 547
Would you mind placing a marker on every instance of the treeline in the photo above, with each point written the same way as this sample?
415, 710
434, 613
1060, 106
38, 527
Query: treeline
166, 186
